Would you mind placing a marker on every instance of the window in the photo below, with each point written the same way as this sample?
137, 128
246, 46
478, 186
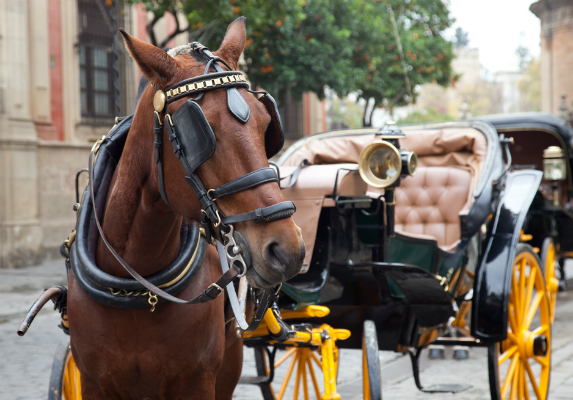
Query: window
96, 64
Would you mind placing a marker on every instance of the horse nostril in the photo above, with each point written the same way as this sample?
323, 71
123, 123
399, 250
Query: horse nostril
276, 251
282, 260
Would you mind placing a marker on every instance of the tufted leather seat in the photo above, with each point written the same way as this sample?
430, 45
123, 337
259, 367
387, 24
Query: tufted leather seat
428, 204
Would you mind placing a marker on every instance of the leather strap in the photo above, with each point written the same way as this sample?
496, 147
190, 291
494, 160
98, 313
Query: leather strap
158, 143
294, 176
211, 293
247, 181
280, 210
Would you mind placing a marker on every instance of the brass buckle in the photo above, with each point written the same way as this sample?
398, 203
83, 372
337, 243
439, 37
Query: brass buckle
209, 191
97, 144
218, 216
70, 240
216, 225
219, 288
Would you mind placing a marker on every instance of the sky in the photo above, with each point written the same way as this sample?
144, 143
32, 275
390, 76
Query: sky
495, 27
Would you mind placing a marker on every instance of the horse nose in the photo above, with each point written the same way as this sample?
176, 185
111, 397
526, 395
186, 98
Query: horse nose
283, 259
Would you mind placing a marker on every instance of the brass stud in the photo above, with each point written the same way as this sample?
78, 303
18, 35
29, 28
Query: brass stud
159, 101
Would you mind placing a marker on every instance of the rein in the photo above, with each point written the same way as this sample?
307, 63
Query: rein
193, 150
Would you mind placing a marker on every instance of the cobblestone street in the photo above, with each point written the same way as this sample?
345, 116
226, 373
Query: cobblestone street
26, 362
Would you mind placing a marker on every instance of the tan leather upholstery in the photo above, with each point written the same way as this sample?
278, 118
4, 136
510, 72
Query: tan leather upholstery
430, 203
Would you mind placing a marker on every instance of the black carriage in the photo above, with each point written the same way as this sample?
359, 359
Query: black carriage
437, 257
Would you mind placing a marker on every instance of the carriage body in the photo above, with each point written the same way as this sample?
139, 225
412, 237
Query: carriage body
550, 215
404, 280
444, 260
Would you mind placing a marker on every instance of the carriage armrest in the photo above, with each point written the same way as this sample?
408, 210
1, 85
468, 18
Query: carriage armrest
313, 190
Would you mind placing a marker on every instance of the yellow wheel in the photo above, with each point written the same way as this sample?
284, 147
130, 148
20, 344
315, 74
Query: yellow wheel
549, 262
301, 367
65, 377
520, 366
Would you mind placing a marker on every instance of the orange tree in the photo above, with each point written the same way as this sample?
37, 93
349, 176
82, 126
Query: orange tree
348, 45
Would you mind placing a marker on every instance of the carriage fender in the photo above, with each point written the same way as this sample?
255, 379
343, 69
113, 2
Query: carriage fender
492, 282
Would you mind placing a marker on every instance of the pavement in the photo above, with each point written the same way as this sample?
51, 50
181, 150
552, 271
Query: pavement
26, 361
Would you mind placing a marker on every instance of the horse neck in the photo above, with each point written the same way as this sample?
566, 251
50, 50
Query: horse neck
142, 229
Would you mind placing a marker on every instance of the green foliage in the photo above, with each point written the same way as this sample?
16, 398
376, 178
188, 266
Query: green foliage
347, 45
430, 115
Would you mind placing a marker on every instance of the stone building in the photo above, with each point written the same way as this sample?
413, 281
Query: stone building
556, 18
57, 97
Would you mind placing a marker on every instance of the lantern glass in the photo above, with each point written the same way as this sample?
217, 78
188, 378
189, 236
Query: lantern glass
554, 169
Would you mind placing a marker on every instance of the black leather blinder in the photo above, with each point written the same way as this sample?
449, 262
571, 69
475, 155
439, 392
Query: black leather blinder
274, 136
194, 134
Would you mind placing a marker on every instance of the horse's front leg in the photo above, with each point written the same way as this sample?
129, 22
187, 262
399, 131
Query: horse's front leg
230, 372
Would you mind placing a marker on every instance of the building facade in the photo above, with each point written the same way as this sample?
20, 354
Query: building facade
57, 96
556, 17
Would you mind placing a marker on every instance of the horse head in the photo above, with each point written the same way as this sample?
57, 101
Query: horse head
241, 145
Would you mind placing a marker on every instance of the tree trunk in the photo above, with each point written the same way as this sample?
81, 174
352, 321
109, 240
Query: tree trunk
372, 112
364, 122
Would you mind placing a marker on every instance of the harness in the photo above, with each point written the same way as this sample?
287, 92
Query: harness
193, 143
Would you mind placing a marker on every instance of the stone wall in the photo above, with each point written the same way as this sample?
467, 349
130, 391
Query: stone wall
58, 163
556, 51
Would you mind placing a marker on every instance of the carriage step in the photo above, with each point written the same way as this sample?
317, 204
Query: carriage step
446, 388
253, 380
439, 388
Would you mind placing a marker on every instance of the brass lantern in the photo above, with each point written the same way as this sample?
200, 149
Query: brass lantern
554, 164
383, 162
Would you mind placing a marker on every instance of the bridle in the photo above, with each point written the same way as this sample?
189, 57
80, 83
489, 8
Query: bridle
197, 145
193, 143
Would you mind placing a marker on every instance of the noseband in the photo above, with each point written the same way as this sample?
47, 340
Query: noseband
194, 143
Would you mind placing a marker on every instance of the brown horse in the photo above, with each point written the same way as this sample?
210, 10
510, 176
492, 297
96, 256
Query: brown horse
178, 351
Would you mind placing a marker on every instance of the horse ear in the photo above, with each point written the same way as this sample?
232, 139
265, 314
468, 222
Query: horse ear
233, 42
157, 66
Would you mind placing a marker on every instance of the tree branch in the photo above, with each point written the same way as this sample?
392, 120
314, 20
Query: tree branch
150, 30
177, 30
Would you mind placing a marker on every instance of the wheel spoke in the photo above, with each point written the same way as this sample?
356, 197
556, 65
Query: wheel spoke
540, 331
316, 360
507, 355
303, 367
514, 381
511, 336
285, 356
520, 381
512, 319
288, 375
298, 374
529, 293
313, 377
532, 379
532, 310
543, 361
509, 375
524, 385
